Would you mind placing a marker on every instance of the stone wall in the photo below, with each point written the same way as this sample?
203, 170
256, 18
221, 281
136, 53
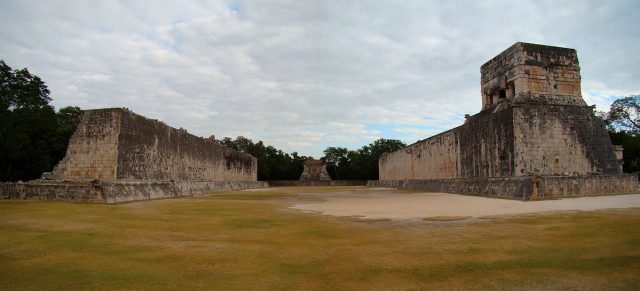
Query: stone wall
151, 150
117, 144
93, 149
561, 140
576, 186
126, 191
52, 190
510, 140
440, 152
523, 188
116, 155
482, 147
117, 191
287, 183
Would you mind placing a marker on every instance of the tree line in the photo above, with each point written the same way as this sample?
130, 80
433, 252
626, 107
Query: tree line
343, 164
34, 137
623, 122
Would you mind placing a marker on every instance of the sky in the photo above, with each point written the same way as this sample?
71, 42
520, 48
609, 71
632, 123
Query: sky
305, 75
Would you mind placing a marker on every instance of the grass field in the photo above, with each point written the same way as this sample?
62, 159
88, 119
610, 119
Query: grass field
250, 241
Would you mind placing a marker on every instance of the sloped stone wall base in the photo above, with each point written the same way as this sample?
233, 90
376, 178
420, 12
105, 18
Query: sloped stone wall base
280, 183
523, 188
117, 191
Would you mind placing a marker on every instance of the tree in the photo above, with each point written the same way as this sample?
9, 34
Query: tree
624, 115
361, 164
33, 138
335, 155
337, 162
19, 90
631, 146
273, 164
623, 123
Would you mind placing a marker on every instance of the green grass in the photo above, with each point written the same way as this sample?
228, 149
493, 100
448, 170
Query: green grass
249, 241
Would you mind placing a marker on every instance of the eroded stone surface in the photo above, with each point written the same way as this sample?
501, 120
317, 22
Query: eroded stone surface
534, 122
314, 171
116, 156
117, 144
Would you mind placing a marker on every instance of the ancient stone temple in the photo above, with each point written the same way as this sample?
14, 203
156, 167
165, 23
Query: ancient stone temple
535, 137
314, 170
116, 155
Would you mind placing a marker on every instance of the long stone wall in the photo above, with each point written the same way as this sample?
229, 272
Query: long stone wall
52, 190
482, 147
117, 144
288, 183
116, 155
523, 188
150, 150
510, 140
117, 191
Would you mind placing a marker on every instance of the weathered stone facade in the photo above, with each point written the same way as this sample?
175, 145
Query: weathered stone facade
116, 155
117, 191
522, 188
533, 123
117, 144
314, 170
528, 72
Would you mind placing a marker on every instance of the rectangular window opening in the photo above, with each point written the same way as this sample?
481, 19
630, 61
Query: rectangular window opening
503, 94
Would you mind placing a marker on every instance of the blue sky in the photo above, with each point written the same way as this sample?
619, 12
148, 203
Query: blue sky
304, 75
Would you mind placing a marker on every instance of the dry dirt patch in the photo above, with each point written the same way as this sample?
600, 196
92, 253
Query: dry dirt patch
377, 203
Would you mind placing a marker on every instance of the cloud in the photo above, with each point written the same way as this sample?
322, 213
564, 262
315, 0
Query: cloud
303, 75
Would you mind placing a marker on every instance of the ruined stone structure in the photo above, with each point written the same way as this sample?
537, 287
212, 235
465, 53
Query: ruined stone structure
534, 127
314, 170
116, 155
117, 144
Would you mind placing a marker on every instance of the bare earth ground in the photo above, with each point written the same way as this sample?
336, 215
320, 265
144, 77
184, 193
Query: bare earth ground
376, 203
381, 239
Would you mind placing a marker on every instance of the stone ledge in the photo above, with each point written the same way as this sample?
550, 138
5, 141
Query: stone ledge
117, 191
285, 183
523, 188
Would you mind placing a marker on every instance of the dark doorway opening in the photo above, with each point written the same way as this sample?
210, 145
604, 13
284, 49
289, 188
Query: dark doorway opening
503, 94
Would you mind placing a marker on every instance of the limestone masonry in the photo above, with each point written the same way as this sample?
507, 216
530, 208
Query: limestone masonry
314, 170
534, 126
117, 144
116, 155
534, 138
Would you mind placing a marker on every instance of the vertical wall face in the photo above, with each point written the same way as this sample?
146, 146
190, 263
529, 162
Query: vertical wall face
482, 147
512, 141
93, 148
151, 150
116, 144
529, 72
486, 144
561, 140
436, 157
533, 122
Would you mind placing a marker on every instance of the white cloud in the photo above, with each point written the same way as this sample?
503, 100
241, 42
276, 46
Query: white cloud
301, 75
